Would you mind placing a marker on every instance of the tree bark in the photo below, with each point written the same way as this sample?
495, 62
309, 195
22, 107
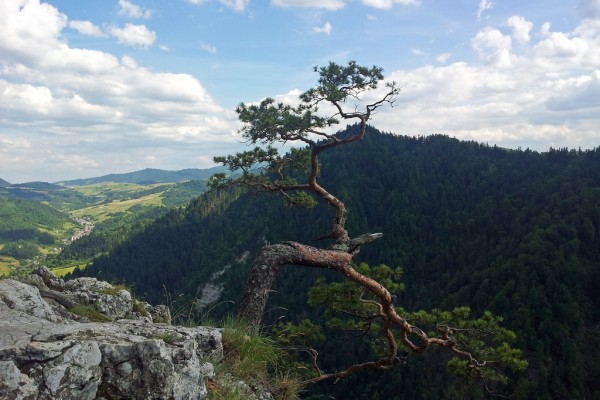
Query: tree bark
266, 266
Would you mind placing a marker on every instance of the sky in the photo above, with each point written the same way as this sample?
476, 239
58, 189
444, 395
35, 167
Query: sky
94, 87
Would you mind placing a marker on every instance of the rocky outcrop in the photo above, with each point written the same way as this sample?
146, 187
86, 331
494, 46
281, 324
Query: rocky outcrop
53, 345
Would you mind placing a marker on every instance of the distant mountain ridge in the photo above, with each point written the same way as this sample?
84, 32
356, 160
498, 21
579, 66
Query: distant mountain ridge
147, 176
4, 183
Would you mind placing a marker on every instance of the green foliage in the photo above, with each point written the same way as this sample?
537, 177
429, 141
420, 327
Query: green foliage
138, 307
484, 350
20, 250
57, 197
483, 337
263, 169
338, 83
256, 359
115, 290
23, 214
89, 313
515, 232
306, 333
169, 337
346, 297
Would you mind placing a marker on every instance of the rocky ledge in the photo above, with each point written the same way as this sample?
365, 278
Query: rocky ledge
53, 345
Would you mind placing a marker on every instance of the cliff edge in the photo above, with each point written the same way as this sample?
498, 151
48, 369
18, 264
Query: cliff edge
88, 339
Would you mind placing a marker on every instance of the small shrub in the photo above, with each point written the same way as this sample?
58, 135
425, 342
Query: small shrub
89, 313
114, 291
253, 357
138, 307
168, 337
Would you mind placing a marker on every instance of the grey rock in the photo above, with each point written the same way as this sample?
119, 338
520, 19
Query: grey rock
46, 352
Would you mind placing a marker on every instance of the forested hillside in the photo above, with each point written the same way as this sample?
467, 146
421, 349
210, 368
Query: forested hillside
148, 176
513, 232
22, 216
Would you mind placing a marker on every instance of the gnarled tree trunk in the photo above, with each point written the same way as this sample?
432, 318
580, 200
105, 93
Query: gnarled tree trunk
268, 263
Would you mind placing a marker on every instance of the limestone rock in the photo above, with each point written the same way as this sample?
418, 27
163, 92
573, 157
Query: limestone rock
47, 352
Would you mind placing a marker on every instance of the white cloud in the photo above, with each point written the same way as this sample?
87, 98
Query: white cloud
442, 58
386, 4
323, 29
77, 161
164, 47
133, 11
103, 109
87, 28
325, 4
493, 47
331, 5
589, 9
520, 28
546, 96
208, 47
133, 35
237, 5
418, 52
483, 6
14, 143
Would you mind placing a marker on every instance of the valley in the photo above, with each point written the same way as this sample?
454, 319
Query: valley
68, 211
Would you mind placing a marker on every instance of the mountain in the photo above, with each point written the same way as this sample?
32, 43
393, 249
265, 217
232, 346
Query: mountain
4, 183
36, 186
148, 176
515, 232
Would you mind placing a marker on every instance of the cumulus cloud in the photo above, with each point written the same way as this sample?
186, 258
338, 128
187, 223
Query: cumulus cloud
87, 28
493, 47
105, 110
237, 5
539, 95
483, 6
325, 4
323, 29
338, 4
131, 10
133, 35
520, 28
589, 9
386, 4
442, 58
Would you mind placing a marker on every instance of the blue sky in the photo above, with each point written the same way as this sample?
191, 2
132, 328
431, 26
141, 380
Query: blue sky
106, 86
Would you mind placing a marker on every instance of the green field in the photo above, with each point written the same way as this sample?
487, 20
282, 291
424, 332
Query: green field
60, 272
102, 212
113, 198
7, 264
109, 191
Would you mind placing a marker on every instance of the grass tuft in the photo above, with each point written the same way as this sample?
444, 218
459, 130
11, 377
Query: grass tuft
89, 313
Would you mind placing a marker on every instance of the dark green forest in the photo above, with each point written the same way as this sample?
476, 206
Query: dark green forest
515, 232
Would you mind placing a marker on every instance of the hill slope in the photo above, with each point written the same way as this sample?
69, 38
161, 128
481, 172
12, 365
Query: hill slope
19, 214
4, 183
147, 176
514, 232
